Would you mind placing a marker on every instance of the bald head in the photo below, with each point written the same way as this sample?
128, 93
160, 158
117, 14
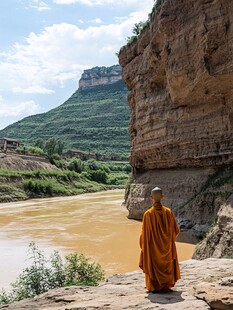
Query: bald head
156, 194
156, 190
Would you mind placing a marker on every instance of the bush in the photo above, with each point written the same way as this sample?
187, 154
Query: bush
75, 164
45, 274
35, 150
98, 176
79, 271
48, 187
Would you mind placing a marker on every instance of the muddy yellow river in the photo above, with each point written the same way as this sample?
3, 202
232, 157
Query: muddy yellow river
95, 224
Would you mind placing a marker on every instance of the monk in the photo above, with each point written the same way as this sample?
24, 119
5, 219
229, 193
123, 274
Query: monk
158, 258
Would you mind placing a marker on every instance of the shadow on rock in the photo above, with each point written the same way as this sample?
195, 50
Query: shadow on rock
165, 298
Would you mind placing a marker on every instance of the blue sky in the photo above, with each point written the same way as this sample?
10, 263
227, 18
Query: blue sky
45, 46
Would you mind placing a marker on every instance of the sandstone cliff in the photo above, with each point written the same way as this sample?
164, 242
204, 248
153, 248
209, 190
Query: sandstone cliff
180, 73
204, 285
100, 76
219, 240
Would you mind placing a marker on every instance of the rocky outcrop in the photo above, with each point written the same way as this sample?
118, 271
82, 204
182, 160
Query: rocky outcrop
99, 76
219, 240
179, 73
204, 285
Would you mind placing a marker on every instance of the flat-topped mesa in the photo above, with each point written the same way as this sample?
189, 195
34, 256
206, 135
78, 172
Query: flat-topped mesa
179, 72
100, 76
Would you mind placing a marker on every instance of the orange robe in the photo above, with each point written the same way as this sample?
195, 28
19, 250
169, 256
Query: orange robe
158, 258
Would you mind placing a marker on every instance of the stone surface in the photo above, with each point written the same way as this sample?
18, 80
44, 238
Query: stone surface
204, 284
178, 186
219, 240
100, 76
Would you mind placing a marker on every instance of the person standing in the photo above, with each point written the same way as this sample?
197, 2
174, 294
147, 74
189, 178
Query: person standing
158, 257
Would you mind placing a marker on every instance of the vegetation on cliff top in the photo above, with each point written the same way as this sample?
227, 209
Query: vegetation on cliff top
93, 119
45, 274
139, 27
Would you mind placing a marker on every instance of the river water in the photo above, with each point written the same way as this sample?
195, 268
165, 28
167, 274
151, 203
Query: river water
95, 224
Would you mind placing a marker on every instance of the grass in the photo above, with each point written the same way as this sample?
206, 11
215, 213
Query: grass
21, 185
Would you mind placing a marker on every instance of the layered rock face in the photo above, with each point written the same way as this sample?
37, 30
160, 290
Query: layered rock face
180, 73
219, 241
100, 76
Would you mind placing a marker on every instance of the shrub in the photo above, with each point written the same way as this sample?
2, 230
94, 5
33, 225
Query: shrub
35, 150
45, 274
98, 176
75, 164
48, 187
80, 272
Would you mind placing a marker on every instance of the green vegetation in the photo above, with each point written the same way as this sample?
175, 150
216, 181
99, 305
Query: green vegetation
91, 120
45, 274
10, 192
142, 25
76, 177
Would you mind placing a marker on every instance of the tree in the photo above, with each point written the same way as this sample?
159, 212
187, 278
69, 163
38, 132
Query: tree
54, 146
40, 143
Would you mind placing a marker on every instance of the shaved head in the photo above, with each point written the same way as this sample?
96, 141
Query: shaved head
156, 190
156, 194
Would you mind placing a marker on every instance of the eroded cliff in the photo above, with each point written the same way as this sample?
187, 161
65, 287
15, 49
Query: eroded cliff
180, 73
100, 76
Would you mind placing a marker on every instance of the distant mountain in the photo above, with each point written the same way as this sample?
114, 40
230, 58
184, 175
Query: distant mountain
94, 118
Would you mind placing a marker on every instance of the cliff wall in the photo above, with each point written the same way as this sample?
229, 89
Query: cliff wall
180, 73
100, 76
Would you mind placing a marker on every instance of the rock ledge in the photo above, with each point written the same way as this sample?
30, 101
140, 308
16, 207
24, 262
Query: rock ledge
206, 284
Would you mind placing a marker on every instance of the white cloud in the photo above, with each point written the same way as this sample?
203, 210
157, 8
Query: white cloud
18, 109
96, 20
103, 2
38, 5
61, 52
33, 90
87, 2
120, 19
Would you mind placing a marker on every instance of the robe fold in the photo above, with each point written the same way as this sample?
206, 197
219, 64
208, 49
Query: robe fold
158, 257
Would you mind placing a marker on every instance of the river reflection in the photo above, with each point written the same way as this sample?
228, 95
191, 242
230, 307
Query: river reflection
95, 224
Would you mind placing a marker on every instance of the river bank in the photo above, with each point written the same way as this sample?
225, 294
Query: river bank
204, 285
24, 178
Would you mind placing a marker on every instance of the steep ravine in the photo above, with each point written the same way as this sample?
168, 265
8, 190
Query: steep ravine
180, 73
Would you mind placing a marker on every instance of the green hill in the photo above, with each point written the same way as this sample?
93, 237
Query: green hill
94, 119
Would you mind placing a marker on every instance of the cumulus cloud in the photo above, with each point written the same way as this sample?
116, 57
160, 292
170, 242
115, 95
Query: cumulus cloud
86, 2
102, 2
96, 20
18, 109
38, 5
61, 52
33, 90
